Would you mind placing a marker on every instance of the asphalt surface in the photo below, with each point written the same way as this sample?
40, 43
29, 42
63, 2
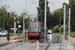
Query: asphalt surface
2, 38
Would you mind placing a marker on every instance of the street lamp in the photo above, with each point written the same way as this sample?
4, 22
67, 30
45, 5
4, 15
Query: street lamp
8, 10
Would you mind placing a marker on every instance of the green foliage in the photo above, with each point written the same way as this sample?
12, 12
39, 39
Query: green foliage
4, 19
13, 34
72, 3
3, 16
72, 34
62, 28
41, 12
56, 16
20, 18
56, 28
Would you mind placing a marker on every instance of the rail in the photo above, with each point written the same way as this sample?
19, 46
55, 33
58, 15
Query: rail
50, 42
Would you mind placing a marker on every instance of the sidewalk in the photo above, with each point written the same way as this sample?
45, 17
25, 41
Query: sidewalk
70, 39
12, 39
70, 42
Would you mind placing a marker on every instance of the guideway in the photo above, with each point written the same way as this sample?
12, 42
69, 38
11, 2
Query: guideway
57, 44
28, 45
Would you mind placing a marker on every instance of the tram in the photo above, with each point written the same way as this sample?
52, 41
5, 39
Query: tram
35, 30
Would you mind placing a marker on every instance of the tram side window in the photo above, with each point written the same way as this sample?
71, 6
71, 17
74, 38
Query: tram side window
39, 28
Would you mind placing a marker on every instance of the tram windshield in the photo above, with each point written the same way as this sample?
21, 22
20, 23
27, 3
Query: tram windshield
34, 27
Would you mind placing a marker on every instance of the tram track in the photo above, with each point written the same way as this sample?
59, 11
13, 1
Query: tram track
26, 43
54, 38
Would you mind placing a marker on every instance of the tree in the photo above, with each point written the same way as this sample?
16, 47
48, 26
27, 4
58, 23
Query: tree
20, 18
56, 17
41, 10
4, 18
72, 3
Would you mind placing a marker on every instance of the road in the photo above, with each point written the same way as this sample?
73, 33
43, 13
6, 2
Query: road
27, 45
2, 40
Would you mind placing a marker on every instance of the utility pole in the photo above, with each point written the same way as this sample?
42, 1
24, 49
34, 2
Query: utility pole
69, 19
45, 19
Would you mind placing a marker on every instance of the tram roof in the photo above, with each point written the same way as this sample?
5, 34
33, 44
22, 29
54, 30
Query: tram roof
36, 22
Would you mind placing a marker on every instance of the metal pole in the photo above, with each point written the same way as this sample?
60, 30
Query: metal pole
25, 29
41, 16
60, 21
45, 20
4, 24
69, 19
23, 22
8, 37
26, 5
64, 17
60, 24
37, 16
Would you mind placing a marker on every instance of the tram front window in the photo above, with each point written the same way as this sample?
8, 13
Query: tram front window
33, 27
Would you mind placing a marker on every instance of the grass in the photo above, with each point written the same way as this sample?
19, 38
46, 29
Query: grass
55, 33
14, 34
18, 37
72, 34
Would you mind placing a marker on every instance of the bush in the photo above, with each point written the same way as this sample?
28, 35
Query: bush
72, 34
56, 28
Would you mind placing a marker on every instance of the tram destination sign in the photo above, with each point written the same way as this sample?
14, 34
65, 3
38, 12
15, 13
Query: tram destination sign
34, 23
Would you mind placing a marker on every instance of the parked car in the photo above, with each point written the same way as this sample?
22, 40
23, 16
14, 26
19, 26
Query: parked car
4, 33
49, 31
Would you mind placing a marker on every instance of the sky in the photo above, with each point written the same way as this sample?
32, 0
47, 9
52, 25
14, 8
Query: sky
19, 5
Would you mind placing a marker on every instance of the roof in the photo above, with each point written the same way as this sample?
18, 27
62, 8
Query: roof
36, 22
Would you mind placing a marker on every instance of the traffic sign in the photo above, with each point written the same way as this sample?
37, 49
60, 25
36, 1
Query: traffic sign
15, 20
18, 22
19, 26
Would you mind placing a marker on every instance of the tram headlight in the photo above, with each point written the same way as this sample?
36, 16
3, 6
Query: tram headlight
29, 33
37, 33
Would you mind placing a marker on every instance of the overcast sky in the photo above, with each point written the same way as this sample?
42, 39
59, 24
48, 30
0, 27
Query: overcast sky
19, 5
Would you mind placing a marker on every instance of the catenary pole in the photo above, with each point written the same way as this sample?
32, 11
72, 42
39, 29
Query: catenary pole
23, 22
45, 20
69, 19
37, 16
64, 17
